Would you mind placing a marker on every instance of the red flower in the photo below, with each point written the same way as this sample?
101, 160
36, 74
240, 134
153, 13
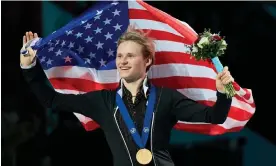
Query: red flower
216, 37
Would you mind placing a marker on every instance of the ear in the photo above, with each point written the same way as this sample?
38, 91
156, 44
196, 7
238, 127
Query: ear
148, 62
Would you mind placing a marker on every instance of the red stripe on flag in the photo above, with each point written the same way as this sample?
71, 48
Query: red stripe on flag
91, 125
141, 14
80, 84
247, 94
165, 57
163, 35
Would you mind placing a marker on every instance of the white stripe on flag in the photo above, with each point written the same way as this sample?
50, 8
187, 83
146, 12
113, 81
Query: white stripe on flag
162, 45
135, 5
231, 123
99, 76
184, 70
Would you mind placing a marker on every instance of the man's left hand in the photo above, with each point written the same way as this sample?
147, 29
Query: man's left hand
222, 79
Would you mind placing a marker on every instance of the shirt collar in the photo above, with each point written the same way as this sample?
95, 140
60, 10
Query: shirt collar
145, 87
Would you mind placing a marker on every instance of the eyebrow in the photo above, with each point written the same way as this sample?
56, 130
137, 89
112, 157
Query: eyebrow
127, 54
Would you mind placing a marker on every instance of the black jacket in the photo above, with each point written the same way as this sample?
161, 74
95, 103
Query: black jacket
170, 107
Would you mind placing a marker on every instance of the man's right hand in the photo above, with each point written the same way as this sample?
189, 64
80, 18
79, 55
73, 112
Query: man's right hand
28, 60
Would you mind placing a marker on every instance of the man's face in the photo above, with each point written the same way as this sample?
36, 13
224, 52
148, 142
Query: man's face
130, 61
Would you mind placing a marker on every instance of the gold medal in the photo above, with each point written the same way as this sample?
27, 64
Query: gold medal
144, 156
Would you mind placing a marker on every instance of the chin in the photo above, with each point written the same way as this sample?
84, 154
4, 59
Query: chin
126, 77
124, 74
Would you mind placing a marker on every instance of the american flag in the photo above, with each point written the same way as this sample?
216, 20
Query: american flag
80, 57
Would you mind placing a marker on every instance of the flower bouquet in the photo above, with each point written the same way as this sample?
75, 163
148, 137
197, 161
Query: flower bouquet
210, 46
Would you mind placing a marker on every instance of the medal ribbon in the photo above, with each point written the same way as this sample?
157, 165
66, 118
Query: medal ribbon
147, 121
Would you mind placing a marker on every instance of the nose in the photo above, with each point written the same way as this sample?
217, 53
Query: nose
124, 60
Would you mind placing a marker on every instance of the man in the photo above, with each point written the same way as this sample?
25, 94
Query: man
137, 117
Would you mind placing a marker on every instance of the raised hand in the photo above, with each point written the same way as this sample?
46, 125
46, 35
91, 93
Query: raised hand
28, 60
222, 79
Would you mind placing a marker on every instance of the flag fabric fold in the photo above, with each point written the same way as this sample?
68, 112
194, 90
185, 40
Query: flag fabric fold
80, 57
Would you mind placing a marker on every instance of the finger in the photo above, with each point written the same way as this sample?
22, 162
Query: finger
35, 35
24, 40
227, 80
225, 75
31, 35
225, 68
219, 76
27, 36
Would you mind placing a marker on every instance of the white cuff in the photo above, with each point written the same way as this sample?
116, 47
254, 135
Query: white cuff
30, 66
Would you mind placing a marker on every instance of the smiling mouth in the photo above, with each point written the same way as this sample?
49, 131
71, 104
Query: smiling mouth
124, 68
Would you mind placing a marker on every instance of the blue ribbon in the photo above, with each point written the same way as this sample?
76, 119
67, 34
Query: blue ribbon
217, 64
147, 121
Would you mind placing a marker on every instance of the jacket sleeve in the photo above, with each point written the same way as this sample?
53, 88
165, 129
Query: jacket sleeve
90, 104
188, 110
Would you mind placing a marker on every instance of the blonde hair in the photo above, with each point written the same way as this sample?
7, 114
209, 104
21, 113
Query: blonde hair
142, 38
